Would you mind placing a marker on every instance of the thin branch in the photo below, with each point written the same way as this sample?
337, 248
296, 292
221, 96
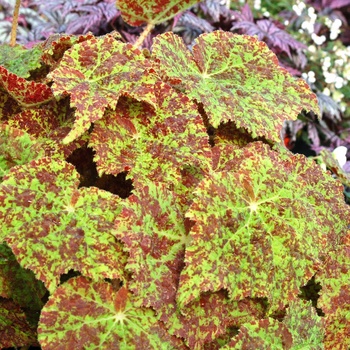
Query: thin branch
144, 35
15, 23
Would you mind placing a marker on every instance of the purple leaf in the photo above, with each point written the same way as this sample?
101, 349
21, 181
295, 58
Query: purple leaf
274, 36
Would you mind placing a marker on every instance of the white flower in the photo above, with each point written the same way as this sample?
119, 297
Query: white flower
310, 76
312, 48
318, 40
257, 4
339, 154
326, 63
339, 82
298, 8
312, 14
326, 91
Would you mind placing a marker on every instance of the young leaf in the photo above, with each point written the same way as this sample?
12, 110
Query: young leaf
95, 73
26, 93
52, 226
275, 208
152, 144
138, 12
151, 226
91, 315
236, 78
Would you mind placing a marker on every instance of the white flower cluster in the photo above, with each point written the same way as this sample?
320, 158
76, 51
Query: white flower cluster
318, 40
257, 4
308, 25
336, 73
309, 77
336, 64
299, 7
334, 27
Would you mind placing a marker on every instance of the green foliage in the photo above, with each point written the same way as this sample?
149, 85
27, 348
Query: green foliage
222, 228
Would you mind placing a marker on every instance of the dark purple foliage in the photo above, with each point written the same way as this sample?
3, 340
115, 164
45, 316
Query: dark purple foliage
269, 31
333, 4
214, 9
84, 15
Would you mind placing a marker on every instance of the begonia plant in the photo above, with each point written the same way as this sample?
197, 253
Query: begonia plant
148, 201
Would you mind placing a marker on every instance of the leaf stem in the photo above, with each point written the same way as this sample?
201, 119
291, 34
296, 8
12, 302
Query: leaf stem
15, 23
144, 35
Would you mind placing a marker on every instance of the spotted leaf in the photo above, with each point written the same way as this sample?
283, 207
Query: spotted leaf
19, 284
91, 315
53, 227
16, 148
19, 60
15, 330
151, 143
151, 226
26, 93
262, 229
300, 329
95, 72
235, 77
335, 296
138, 12
208, 318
